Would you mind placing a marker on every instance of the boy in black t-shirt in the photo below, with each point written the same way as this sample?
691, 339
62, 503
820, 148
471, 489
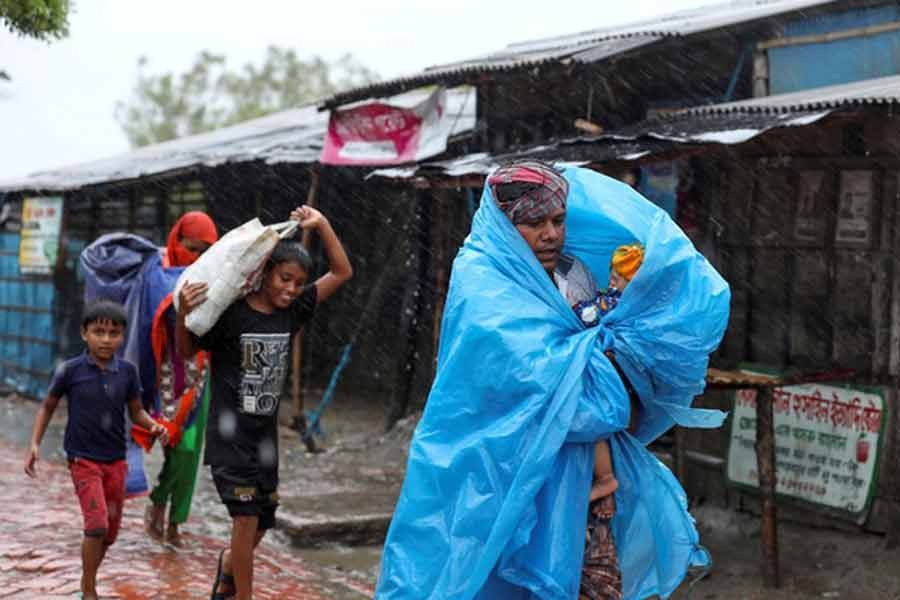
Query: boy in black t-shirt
250, 345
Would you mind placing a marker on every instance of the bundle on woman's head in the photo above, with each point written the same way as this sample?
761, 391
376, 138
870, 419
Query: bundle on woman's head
528, 190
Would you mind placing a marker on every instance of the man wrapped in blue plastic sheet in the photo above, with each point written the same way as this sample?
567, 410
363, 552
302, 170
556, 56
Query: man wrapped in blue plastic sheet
495, 500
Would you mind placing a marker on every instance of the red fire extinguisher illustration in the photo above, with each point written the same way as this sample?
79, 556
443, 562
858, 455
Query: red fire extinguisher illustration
862, 449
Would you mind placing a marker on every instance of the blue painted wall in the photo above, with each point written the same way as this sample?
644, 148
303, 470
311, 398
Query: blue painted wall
27, 333
796, 68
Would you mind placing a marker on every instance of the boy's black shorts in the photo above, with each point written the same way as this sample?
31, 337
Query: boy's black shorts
248, 491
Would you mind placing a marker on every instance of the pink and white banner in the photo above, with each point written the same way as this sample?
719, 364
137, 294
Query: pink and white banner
385, 134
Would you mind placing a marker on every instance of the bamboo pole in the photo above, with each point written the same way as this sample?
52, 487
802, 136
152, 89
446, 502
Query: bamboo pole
440, 222
824, 38
311, 200
297, 342
680, 455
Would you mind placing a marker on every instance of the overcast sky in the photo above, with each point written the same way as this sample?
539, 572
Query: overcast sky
59, 108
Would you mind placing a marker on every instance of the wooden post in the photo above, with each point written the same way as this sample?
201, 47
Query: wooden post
893, 200
892, 539
760, 74
679, 455
894, 345
311, 200
765, 464
297, 342
439, 225
418, 247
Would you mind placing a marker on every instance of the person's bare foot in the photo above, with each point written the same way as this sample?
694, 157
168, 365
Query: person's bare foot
604, 487
602, 501
154, 517
173, 536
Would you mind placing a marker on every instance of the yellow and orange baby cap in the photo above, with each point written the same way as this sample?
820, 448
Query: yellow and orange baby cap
627, 259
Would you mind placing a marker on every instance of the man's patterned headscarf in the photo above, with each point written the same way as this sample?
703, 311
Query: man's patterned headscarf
528, 190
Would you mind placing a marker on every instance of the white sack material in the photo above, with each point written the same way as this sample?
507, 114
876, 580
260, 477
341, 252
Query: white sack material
231, 268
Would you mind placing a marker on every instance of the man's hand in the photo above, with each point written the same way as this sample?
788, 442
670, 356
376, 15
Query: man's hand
31, 461
191, 296
160, 433
308, 217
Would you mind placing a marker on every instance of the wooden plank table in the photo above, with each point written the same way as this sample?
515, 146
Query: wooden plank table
765, 448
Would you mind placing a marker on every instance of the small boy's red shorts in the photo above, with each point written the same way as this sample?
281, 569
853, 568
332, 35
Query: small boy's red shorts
100, 488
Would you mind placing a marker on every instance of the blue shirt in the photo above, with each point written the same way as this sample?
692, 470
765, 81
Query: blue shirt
97, 398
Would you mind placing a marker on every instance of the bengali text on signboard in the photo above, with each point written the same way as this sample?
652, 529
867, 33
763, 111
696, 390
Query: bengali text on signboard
826, 443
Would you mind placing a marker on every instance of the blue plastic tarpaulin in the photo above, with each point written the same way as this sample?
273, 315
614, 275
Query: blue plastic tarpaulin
494, 504
128, 269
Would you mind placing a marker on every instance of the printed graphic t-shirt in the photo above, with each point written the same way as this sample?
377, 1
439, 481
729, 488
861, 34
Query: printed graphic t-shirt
250, 361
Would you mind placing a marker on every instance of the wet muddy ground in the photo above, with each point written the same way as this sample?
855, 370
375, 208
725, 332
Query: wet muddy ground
815, 563
357, 480
319, 490
40, 534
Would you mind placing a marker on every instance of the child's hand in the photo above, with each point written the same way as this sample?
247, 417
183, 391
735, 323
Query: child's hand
191, 296
30, 461
308, 217
160, 433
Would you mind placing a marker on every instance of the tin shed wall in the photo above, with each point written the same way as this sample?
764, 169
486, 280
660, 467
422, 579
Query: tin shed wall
797, 67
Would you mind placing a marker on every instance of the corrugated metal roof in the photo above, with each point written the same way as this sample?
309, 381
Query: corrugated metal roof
291, 136
728, 123
513, 57
645, 139
458, 73
685, 22
588, 46
883, 90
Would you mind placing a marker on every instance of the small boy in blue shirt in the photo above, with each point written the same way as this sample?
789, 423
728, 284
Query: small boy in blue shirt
98, 386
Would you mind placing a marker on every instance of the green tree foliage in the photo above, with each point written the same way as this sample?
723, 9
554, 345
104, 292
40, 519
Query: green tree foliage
210, 95
41, 19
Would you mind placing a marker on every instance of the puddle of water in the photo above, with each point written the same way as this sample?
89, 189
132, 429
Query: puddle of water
361, 561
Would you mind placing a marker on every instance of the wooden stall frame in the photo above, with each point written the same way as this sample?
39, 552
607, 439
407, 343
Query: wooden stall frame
765, 449
297, 342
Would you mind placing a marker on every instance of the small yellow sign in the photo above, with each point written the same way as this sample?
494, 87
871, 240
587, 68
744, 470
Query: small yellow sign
39, 244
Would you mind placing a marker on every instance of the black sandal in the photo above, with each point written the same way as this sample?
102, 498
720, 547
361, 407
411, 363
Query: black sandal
221, 579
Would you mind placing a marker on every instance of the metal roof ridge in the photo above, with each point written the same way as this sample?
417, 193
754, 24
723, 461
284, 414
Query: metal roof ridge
522, 59
522, 46
477, 64
866, 91
642, 26
677, 24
